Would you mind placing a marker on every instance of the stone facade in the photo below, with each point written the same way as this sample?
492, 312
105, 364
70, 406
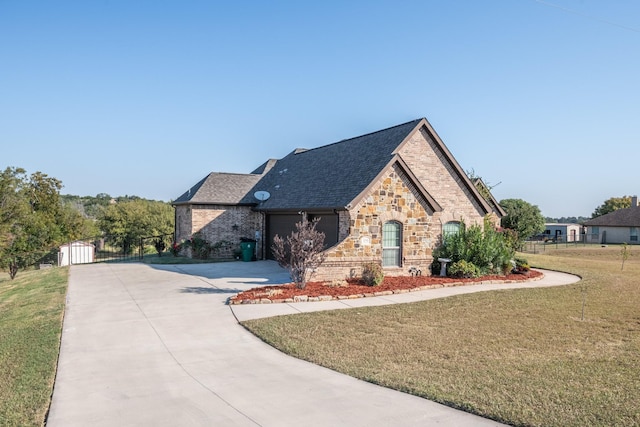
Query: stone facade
394, 198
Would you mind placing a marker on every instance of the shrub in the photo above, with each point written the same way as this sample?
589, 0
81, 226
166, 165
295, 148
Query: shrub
221, 248
175, 249
489, 250
464, 269
159, 244
199, 246
521, 265
372, 274
301, 252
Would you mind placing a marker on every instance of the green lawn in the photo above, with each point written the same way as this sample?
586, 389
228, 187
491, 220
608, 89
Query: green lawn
31, 311
522, 357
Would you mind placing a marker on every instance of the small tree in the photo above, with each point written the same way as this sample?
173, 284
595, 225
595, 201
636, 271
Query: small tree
301, 252
624, 253
159, 244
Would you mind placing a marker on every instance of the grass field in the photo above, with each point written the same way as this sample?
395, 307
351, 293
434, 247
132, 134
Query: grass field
31, 310
523, 357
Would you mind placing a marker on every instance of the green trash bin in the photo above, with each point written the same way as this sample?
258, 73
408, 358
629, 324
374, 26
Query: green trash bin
248, 248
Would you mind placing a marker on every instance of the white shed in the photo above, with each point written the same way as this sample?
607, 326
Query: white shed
76, 253
563, 232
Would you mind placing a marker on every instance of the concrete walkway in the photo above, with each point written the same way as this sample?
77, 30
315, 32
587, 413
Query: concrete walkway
157, 346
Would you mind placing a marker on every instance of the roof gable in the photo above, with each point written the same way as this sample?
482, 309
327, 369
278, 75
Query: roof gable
446, 156
410, 180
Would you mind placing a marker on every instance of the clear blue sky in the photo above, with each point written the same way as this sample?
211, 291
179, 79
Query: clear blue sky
147, 97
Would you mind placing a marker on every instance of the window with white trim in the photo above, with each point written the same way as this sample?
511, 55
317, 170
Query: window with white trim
633, 234
392, 244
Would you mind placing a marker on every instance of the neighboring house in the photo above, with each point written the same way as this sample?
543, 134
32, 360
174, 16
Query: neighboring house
619, 226
387, 196
76, 253
563, 232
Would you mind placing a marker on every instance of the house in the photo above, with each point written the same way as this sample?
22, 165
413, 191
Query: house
563, 232
387, 196
76, 253
619, 226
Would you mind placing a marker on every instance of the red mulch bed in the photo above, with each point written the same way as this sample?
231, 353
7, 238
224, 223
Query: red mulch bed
354, 288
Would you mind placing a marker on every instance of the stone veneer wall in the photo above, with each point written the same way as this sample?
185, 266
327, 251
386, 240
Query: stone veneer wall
393, 198
219, 223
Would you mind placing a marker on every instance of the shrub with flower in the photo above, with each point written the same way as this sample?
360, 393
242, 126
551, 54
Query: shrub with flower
175, 248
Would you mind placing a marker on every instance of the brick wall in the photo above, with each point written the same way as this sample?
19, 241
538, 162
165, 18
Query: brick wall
217, 223
439, 178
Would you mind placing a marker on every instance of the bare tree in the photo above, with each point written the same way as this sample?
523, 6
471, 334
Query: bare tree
301, 252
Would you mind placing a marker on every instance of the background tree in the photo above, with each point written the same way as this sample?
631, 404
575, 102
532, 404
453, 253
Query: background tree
129, 221
32, 218
522, 217
566, 219
302, 251
611, 205
14, 208
89, 206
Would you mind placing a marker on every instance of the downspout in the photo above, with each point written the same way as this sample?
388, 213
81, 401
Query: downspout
263, 233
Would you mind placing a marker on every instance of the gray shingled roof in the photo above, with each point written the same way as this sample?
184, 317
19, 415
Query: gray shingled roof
323, 178
331, 176
628, 217
219, 189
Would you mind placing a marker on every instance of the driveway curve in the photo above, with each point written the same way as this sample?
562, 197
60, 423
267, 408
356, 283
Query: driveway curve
157, 346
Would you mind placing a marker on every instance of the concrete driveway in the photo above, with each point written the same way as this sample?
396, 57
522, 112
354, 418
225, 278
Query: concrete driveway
157, 346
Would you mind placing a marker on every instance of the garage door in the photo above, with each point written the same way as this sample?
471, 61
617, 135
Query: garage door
283, 225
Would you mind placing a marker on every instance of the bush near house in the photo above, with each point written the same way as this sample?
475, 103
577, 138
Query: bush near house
301, 252
464, 269
490, 251
202, 249
372, 274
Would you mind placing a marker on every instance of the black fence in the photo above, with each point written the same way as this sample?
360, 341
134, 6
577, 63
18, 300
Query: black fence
561, 241
112, 249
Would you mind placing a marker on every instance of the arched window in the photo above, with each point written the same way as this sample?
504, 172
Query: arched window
451, 227
392, 244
